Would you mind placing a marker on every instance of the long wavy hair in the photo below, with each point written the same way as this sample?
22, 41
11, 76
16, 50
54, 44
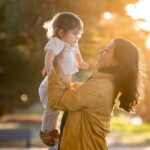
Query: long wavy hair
127, 73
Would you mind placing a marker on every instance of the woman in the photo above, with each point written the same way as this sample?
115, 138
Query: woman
90, 106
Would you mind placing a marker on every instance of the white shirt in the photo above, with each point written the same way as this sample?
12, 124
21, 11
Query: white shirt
66, 54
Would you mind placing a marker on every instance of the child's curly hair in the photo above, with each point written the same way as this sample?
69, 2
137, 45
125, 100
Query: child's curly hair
65, 21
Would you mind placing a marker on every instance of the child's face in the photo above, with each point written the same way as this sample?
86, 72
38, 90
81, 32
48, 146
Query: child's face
72, 36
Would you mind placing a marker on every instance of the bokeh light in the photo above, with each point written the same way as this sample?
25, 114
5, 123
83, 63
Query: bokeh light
24, 97
107, 15
148, 42
140, 12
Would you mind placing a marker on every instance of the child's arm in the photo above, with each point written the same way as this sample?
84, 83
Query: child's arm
48, 68
80, 62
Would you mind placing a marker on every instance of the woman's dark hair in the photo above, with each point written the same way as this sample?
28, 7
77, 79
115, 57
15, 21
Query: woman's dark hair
65, 21
127, 74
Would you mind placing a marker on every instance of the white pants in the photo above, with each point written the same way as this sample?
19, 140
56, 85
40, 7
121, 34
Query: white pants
50, 117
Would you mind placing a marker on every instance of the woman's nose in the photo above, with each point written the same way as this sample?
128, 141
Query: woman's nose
99, 57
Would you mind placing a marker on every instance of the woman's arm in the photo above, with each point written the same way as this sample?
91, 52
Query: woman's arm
67, 100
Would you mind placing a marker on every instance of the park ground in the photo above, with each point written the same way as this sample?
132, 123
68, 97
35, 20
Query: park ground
124, 135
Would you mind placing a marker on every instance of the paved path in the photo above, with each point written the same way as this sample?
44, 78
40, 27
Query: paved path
130, 148
113, 148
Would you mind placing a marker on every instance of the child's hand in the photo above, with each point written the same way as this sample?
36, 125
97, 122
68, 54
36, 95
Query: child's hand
48, 71
83, 65
73, 85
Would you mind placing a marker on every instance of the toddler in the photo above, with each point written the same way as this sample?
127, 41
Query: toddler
62, 49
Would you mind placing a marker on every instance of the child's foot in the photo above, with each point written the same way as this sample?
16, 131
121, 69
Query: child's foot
48, 137
55, 134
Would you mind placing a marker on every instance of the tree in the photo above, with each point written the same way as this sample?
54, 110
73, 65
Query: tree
22, 37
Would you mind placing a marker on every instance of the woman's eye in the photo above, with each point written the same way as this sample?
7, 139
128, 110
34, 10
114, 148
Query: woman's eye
104, 50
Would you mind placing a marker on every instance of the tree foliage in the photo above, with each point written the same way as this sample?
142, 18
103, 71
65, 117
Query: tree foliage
22, 37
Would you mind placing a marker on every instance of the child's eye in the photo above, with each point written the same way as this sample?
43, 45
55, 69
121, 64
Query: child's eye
75, 33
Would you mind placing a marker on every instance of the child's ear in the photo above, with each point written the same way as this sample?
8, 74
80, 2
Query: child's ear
61, 33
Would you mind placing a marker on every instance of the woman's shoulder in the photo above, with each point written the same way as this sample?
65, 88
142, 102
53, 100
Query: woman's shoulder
101, 75
100, 80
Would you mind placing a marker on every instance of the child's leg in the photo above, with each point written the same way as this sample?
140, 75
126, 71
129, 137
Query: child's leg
49, 136
50, 117
49, 120
43, 92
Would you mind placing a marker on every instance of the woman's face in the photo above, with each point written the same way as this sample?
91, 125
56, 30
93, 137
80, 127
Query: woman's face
106, 57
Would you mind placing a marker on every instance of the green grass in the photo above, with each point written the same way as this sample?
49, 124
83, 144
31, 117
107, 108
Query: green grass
125, 125
130, 133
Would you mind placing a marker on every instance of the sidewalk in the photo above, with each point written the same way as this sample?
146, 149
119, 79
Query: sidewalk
114, 142
32, 120
130, 148
113, 148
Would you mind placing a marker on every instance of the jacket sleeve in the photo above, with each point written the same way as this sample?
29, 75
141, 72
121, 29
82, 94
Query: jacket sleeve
68, 100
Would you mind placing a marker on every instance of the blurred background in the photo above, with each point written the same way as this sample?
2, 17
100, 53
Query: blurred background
22, 38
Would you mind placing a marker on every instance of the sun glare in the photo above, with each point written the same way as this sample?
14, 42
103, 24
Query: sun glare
140, 12
148, 42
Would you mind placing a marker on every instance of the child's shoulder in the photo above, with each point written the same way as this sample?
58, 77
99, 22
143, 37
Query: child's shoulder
56, 41
55, 44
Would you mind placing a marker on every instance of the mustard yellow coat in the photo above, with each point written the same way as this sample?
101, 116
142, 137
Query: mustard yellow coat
89, 111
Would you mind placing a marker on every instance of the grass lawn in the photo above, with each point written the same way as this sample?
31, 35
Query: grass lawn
130, 130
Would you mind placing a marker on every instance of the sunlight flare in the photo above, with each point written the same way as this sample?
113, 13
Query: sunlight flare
148, 42
107, 15
24, 97
140, 12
